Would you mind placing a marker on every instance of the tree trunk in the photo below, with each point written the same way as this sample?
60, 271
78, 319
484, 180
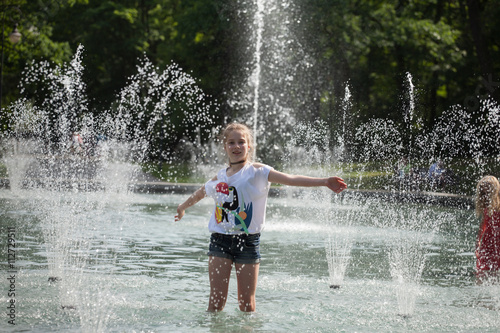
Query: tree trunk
483, 56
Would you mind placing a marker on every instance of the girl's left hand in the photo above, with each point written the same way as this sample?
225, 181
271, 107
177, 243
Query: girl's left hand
336, 184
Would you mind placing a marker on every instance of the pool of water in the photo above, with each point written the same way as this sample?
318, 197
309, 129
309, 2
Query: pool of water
124, 265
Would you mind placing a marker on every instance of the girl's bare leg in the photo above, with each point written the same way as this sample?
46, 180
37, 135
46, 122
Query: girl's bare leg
247, 275
219, 271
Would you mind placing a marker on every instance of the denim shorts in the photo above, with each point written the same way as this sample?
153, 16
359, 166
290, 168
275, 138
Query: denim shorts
241, 249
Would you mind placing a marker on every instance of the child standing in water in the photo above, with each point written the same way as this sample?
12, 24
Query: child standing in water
240, 193
488, 243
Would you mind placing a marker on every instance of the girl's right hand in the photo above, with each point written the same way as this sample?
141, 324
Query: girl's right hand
180, 213
336, 184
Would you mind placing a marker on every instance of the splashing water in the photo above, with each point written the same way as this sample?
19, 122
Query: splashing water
308, 152
338, 248
255, 78
73, 164
343, 135
409, 114
77, 181
461, 137
272, 92
407, 262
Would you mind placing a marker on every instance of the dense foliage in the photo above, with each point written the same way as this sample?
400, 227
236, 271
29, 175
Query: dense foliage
451, 49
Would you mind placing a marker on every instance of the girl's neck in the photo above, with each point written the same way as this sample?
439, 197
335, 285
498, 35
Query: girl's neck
234, 167
236, 163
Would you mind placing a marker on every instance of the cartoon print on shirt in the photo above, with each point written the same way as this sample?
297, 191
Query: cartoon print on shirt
231, 208
222, 195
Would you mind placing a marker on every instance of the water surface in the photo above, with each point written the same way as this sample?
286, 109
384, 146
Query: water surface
128, 267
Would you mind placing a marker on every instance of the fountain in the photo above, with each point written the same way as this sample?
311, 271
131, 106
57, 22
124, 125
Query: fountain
309, 150
407, 255
119, 264
68, 188
337, 253
270, 92
94, 255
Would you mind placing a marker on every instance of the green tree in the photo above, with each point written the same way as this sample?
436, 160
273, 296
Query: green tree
116, 34
372, 44
34, 21
451, 48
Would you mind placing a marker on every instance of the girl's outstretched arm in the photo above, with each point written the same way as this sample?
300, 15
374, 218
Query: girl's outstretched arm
193, 199
336, 184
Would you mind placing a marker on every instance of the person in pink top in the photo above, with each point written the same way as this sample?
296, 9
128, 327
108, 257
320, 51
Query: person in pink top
488, 242
240, 195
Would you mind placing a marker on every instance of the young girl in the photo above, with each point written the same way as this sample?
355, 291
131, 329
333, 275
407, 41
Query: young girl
240, 194
488, 243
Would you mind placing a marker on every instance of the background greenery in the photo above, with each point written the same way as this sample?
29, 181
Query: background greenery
450, 47
446, 45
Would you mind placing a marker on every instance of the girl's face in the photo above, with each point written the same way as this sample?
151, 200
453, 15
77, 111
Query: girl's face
237, 146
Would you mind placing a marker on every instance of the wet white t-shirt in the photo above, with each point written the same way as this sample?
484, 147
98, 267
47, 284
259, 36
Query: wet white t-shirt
240, 200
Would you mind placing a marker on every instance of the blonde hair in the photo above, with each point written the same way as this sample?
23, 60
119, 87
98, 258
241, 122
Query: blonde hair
247, 132
487, 195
